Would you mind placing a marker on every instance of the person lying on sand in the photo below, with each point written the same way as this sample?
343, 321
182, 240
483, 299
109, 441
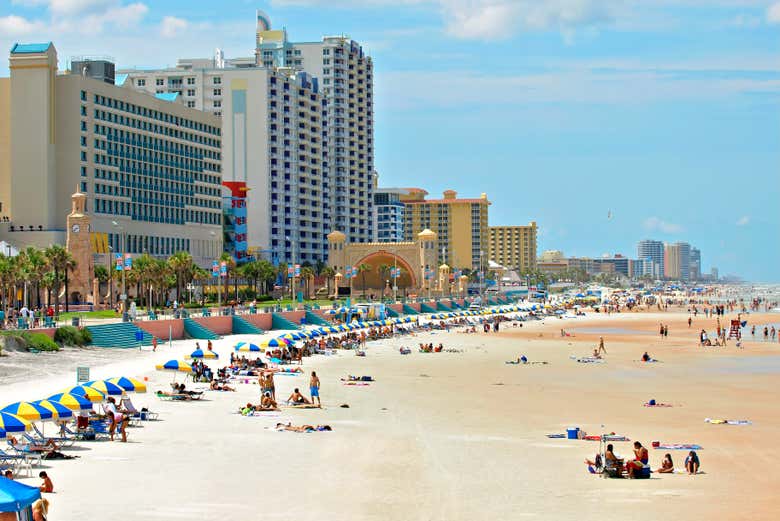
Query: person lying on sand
405, 351
667, 465
521, 360
596, 354
296, 398
302, 428
216, 387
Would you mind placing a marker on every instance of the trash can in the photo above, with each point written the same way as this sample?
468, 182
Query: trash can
74, 321
125, 317
139, 335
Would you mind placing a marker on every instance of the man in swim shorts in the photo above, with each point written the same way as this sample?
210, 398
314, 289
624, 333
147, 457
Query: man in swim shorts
314, 388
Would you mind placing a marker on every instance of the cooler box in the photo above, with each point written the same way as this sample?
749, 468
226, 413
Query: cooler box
572, 433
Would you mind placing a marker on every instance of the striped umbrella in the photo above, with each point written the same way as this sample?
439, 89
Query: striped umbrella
200, 353
73, 402
13, 423
322, 330
276, 342
91, 394
28, 411
314, 333
106, 387
247, 347
175, 365
131, 385
2, 434
59, 411
333, 329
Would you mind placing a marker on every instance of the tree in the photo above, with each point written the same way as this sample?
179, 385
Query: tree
181, 265
200, 275
307, 274
60, 261
102, 275
362, 270
230, 263
33, 268
141, 274
328, 273
7, 277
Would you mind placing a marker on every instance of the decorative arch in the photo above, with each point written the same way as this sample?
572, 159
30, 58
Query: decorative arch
377, 258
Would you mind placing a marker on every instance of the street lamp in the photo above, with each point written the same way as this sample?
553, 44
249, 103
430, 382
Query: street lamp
110, 276
123, 296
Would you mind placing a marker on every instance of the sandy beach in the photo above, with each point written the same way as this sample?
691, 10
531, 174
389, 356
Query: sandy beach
440, 436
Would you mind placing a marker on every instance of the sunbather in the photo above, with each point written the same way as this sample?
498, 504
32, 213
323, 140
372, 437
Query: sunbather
692, 463
641, 457
216, 387
296, 398
41, 446
302, 428
667, 465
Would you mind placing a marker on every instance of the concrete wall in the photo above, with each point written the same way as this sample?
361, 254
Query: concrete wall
49, 331
261, 320
160, 328
293, 316
219, 325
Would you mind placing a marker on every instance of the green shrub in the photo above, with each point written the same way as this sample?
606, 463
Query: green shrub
72, 336
86, 336
40, 342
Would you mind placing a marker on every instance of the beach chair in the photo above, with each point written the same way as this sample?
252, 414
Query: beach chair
613, 469
62, 441
135, 414
15, 462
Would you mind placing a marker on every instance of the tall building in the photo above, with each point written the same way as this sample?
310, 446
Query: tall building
695, 263
677, 261
150, 168
389, 214
332, 77
461, 226
513, 247
652, 254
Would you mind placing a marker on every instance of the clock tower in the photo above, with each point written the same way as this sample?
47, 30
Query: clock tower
79, 245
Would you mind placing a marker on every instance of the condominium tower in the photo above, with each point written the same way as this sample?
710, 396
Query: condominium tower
677, 261
150, 168
652, 254
389, 214
513, 247
461, 226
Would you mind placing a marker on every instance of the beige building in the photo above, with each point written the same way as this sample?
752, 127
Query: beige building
150, 168
461, 226
513, 247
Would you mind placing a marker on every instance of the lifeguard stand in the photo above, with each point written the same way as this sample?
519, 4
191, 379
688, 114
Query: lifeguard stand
735, 330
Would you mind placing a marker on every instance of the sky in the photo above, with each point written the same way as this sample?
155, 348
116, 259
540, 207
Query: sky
605, 121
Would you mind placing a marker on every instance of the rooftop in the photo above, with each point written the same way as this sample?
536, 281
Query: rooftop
30, 48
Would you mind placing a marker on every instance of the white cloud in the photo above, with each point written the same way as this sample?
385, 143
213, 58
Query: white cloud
773, 13
172, 26
14, 26
743, 221
656, 224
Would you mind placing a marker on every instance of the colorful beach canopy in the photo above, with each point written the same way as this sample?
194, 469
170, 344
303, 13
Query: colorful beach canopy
128, 384
247, 347
16, 496
106, 387
13, 423
73, 402
276, 342
59, 411
175, 365
200, 353
28, 411
91, 394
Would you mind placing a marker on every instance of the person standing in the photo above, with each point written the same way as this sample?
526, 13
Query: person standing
314, 388
601, 348
154, 344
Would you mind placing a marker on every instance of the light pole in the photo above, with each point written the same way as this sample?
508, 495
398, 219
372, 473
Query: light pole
481, 278
395, 277
123, 296
110, 276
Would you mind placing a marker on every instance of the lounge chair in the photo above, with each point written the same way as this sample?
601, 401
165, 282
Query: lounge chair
613, 469
15, 462
62, 441
172, 397
135, 414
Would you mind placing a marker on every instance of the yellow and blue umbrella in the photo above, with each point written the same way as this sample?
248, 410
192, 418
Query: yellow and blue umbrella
276, 342
13, 423
91, 394
73, 402
200, 353
106, 387
175, 365
28, 411
2, 434
129, 384
247, 347
59, 411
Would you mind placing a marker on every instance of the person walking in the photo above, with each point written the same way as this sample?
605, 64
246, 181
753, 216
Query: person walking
314, 388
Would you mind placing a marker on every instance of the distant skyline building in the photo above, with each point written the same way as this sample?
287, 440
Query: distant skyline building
695, 266
651, 252
389, 214
150, 170
513, 247
677, 261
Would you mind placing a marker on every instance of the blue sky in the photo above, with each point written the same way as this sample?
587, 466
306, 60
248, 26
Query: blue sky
665, 113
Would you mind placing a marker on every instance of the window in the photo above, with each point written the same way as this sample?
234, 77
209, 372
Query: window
160, 81
190, 81
190, 92
141, 82
217, 104
326, 52
191, 104
217, 80
218, 92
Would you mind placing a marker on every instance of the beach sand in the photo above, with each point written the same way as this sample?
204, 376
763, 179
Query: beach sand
443, 436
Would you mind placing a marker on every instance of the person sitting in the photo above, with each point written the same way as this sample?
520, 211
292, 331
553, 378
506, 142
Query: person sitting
641, 457
296, 398
267, 403
8, 474
595, 466
692, 463
646, 357
405, 351
439, 348
47, 485
216, 387
596, 354
667, 465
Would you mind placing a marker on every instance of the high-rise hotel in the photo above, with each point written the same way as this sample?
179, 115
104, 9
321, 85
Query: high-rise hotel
150, 168
298, 143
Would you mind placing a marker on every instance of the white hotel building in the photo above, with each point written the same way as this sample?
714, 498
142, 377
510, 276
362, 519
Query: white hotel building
300, 136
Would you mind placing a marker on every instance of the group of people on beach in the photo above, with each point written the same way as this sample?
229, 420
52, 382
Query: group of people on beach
638, 466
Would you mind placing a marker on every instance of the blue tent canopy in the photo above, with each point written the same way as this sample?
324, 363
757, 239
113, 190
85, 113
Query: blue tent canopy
15, 496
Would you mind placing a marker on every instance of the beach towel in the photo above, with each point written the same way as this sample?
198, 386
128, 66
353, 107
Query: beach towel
589, 360
648, 404
303, 406
679, 446
607, 437
556, 435
727, 422
265, 414
358, 384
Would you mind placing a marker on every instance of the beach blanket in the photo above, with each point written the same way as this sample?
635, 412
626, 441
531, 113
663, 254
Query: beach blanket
266, 414
679, 446
556, 435
607, 437
588, 360
358, 384
303, 406
657, 405
727, 422
651, 361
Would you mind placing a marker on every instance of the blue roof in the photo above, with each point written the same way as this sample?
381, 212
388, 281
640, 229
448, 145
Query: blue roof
167, 96
120, 79
30, 48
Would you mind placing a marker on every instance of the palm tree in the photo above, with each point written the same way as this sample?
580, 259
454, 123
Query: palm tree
181, 264
266, 273
7, 277
102, 275
34, 268
49, 282
60, 261
141, 275
200, 275
231, 269
307, 274
328, 273
363, 269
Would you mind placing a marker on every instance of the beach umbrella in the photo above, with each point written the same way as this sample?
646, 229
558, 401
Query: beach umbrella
175, 366
73, 402
2, 434
13, 423
59, 411
314, 333
90, 393
200, 353
322, 331
106, 387
28, 411
247, 347
131, 385
276, 342
16, 496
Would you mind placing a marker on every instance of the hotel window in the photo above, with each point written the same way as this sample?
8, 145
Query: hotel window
217, 104
141, 82
190, 81
217, 81
160, 81
218, 92
190, 92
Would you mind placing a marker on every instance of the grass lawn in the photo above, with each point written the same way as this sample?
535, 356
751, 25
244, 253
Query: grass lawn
106, 313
